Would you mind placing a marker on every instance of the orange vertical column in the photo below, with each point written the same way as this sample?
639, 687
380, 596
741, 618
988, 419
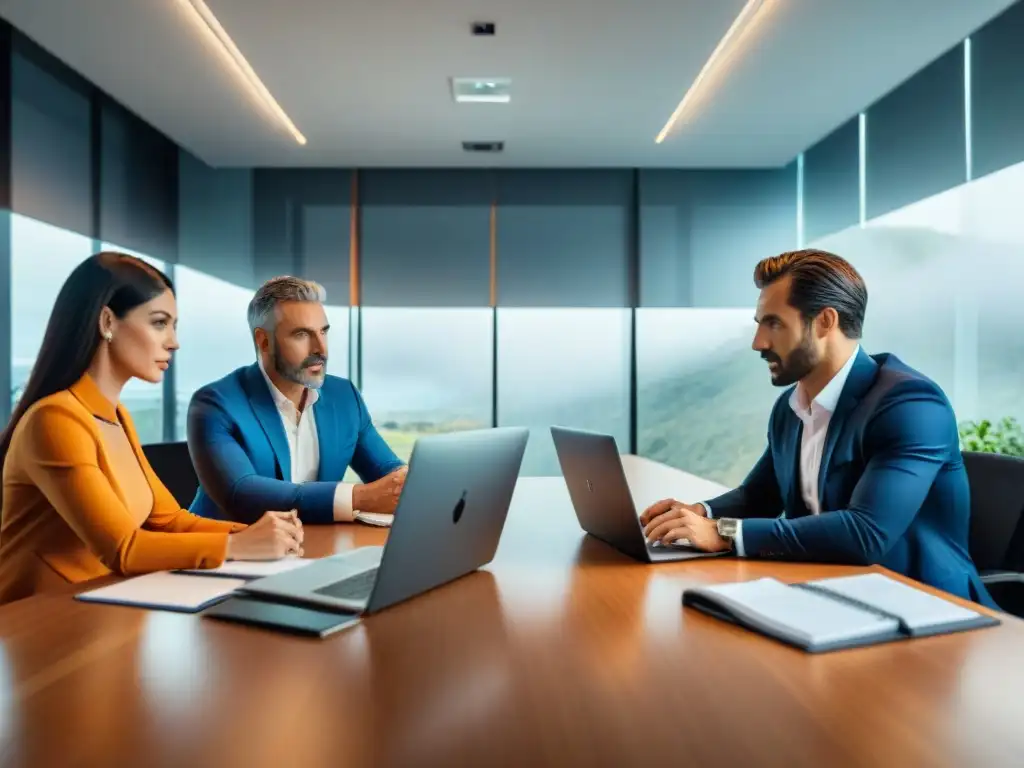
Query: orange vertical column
353, 247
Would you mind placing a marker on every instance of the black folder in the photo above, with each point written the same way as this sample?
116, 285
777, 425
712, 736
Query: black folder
281, 616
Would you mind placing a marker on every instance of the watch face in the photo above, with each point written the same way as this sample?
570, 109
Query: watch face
727, 528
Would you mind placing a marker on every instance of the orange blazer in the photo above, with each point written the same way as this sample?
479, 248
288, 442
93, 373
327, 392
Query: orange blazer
64, 516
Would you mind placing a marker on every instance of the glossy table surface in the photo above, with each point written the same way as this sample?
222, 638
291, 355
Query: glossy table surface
560, 652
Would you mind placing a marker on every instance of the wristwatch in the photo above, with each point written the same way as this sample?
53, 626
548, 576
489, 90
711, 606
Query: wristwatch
727, 527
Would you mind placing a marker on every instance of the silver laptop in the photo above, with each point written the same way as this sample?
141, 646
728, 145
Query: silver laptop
447, 524
601, 497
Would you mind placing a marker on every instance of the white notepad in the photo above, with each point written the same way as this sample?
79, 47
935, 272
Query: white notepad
164, 591
829, 614
918, 610
252, 569
807, 618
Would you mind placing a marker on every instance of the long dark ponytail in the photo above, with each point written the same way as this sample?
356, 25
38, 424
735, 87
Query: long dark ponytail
108, 279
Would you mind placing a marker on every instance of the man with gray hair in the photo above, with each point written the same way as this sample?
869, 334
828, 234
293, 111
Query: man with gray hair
280, 434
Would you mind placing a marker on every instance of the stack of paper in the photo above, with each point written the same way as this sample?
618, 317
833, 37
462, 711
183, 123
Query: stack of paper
187, 590
252, 569
164, 591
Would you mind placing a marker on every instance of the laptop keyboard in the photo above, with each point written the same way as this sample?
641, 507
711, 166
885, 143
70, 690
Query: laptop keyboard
657, 546
356, 587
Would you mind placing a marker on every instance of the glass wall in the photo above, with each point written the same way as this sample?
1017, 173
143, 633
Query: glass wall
942, 254
568, 367
944, 276
42, 257
213, 333
426, 371
703, 396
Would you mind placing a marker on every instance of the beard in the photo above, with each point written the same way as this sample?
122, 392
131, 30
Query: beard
800, 362
300, 374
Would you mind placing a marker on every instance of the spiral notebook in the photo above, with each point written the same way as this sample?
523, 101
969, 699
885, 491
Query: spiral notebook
837, 613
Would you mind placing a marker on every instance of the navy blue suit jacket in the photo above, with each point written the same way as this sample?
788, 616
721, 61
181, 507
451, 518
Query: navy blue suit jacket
892, 484
240, 451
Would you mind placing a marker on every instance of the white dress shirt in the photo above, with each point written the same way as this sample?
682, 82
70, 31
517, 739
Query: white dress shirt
815, 418
304, 445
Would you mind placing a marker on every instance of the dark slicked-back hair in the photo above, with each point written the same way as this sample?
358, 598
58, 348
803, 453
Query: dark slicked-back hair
819, 280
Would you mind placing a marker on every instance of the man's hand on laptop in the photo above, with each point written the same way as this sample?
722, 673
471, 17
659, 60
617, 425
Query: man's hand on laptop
656, 516
380, 496
273, 536
686, 522
664, 507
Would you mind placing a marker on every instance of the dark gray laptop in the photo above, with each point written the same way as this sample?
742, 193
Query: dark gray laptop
600, 495
447, 524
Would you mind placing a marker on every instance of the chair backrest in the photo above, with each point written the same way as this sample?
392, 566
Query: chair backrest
997, 506
173, 465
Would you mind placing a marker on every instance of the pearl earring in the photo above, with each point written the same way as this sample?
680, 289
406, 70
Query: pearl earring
108, 336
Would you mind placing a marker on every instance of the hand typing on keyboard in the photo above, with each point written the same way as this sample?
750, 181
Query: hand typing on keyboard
676, 543
675, 524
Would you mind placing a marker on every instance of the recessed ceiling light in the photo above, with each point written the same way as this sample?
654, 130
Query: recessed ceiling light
493, 90
483, 146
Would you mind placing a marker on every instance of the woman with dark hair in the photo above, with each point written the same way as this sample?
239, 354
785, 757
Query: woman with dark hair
79, 498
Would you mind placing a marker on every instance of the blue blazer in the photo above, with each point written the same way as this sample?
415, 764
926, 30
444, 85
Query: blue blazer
892, 484
240, 451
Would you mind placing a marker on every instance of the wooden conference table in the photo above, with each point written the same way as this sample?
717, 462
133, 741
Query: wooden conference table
561, 652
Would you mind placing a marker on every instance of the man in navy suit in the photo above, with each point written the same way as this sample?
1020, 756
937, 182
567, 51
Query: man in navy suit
863, 463
279, 434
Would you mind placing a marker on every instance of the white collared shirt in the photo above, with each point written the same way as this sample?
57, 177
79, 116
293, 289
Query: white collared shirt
812, 445
816, 419
304, 445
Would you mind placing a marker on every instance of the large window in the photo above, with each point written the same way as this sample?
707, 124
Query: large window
42, 257
338, 339
704, 396
910, 268
426, 371
944, 277
565, 367
991, 312
213, 333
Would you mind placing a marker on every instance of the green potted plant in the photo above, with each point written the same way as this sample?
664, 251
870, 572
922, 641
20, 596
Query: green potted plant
1005, 437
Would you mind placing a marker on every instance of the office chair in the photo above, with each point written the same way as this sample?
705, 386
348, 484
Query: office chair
173, 465
996, 534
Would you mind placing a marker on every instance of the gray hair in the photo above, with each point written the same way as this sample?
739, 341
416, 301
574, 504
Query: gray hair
262, 308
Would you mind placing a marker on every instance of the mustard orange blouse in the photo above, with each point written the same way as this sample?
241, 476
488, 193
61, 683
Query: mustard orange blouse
66, 516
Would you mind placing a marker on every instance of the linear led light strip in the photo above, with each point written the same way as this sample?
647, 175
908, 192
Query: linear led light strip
743, 23
204, 18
